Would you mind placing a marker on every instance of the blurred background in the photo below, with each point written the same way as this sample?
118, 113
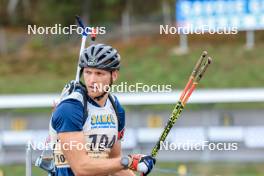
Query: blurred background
227, 106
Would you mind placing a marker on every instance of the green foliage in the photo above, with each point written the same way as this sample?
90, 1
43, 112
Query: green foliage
49, 12
149, 61
19, 170
36, 43
57, 11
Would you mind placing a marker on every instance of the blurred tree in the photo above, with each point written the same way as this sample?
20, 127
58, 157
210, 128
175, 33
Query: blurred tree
86, 11
3, 47
3, 14
144, 10
106, 12
15, 12
27, 7
166, 11
126, 19
48, 12
11, 10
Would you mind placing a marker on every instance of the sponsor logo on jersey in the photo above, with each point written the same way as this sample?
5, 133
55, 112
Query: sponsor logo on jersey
103, 121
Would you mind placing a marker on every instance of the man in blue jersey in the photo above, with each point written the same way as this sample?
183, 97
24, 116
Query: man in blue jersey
88, 123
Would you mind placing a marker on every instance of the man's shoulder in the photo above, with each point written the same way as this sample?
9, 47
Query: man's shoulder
68, 105
68, 116
76, 95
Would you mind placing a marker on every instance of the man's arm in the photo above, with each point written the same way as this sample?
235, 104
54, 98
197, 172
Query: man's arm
79, 161
116, 153
67, 121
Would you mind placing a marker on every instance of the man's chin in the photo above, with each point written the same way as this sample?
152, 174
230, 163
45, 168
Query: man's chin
93, 94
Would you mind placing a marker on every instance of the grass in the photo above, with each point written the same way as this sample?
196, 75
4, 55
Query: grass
19, 170
172, 169
219, 168
148, 60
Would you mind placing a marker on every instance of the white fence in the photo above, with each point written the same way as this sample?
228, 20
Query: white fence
199, 96
251, 137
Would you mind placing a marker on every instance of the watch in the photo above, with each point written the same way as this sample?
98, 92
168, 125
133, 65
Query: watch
125, 161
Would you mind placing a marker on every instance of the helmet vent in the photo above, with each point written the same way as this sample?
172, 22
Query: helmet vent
86, 56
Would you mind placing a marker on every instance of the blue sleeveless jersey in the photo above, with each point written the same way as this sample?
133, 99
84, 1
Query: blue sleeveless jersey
101, 124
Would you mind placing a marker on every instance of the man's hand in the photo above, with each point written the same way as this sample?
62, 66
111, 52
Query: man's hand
141, 163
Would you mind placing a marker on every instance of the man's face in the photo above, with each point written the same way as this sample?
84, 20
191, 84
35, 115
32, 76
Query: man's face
97, 81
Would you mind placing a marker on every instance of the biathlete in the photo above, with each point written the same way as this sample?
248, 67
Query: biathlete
87, 125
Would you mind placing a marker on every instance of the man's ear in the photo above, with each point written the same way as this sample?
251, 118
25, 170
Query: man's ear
115, 75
